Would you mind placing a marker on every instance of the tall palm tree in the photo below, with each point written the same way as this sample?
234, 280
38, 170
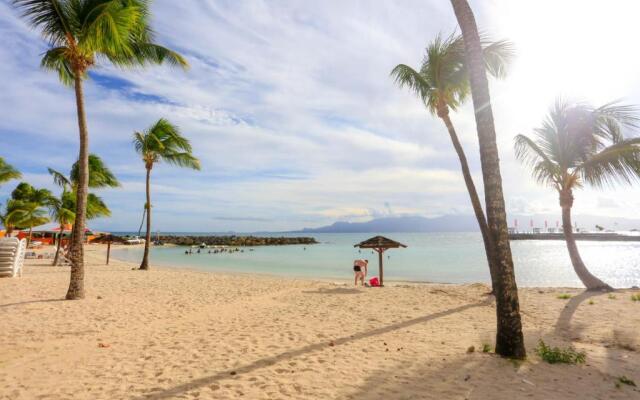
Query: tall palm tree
578, 144
509, 338
63, 209
161, 142
80, 32
7, 172
442, 83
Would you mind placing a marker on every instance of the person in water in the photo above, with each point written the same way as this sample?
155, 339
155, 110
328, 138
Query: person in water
360, 270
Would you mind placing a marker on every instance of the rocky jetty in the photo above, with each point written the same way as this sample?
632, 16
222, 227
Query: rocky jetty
232, 240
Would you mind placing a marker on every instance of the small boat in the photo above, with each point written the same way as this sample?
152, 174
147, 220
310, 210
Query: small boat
134, 240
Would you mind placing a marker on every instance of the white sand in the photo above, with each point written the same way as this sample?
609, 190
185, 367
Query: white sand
172, 333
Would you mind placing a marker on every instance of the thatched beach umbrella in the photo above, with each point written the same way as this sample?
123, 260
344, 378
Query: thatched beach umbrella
379, 244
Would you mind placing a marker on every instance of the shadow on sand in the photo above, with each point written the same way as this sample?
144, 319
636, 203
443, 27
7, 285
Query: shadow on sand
30, 302
268, 361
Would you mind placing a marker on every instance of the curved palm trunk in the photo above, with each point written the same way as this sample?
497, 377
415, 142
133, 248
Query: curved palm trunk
56, 259
76, 282
587, 279
30, 234
509, 338
473, 193
147, 239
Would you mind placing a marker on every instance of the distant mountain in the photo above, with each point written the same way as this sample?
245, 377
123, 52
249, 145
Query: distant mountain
449, 223
466, 223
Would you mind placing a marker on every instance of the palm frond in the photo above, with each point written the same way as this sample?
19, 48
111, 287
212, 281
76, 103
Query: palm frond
544, 170
59, 179
100, 176
618, 163
7, 172
405, 76
183, 159
497, 57
50, 16
57, 60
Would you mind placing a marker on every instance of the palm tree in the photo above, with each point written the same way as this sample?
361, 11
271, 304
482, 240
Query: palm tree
32, 214
80, 32
12, 215
509, 338
578, 144
27, 205
7, 172
442, 83
161, 142
63, 209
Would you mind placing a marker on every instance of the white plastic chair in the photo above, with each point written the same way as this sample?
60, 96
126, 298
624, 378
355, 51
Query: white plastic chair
12, 252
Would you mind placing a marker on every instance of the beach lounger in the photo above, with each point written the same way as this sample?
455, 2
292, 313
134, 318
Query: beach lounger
12, 252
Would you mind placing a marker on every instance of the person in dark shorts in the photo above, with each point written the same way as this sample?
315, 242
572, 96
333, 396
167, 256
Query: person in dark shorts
360, 271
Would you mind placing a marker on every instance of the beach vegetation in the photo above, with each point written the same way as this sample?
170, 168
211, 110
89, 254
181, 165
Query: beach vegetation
62, 209
486, 348
557, 355
635, 297
612, 296
161, 142
80, 34
579, 145
27, 208
509, 337
564, 296
8, 172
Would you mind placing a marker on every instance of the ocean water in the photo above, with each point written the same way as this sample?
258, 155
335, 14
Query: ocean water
429, 257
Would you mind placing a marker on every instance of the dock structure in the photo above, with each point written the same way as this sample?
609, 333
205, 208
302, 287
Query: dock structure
596, 237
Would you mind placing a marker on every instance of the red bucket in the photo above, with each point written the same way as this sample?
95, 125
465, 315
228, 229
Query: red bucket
374, 281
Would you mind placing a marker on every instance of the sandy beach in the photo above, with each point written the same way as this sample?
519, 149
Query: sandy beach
175, 333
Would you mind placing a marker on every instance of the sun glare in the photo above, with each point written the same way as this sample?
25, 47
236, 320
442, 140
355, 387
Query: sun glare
577, 49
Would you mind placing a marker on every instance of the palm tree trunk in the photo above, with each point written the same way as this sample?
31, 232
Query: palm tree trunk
76, 282
509, 338
473, 193
56, 259
587, 279
30, 233
147, 239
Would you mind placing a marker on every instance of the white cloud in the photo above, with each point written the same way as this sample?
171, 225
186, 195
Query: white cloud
291, 109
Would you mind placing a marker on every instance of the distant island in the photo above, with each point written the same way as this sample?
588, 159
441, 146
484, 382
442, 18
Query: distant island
466, 223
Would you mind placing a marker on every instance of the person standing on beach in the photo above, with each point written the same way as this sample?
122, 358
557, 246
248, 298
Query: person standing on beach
360, 270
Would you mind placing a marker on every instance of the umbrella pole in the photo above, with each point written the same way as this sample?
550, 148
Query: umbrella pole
380, 266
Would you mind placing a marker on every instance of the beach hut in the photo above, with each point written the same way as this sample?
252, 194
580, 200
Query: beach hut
379, 244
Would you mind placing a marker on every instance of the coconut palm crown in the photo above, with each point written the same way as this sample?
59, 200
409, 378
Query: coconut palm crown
579, 145
161, 142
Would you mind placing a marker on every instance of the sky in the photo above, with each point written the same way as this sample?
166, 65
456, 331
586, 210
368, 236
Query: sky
291, 110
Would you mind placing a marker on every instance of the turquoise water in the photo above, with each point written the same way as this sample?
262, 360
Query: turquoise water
430, 257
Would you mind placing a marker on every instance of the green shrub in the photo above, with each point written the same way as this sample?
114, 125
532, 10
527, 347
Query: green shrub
612, 297
591, 302
564, 296
555, 355
486, 348
635, 297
